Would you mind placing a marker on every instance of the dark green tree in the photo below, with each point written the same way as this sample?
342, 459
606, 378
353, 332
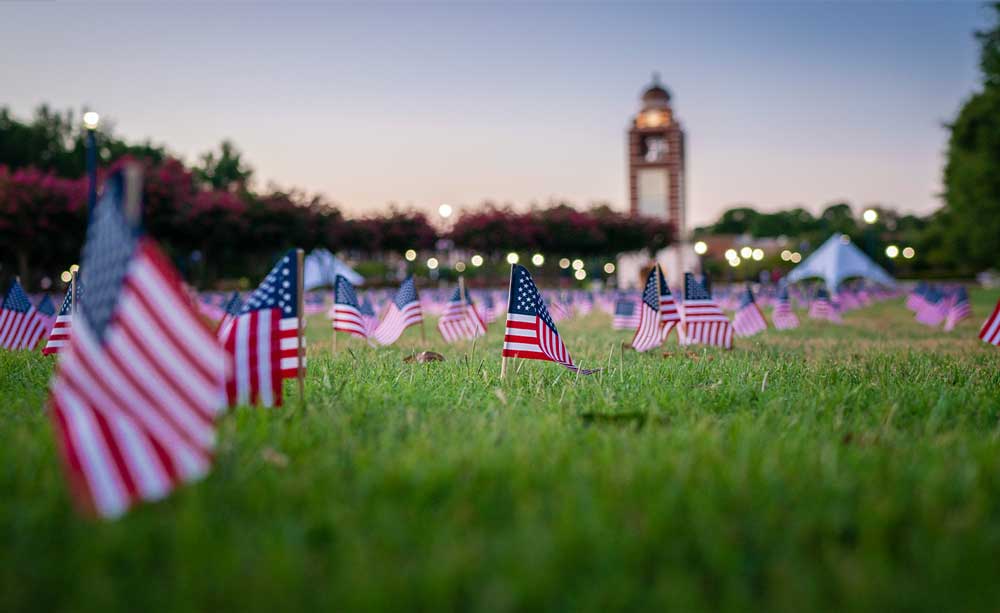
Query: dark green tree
224, 170
972, 174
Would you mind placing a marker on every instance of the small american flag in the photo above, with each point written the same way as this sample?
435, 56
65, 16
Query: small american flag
138, 387
404, 311
702, 321
626, 316
346, 311
958, 309
783, 317
822, 308
59, 336
934, 308
460, 319
229, 312
263, 341
748, 319
489, 308
916, 297
990, 332
368, 316
648, 334
669, 314
47, 310
530, 332
21, 325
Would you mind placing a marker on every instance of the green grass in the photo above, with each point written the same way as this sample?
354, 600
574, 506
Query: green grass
864, 475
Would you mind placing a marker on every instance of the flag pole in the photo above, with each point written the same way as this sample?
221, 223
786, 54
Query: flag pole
72, 292
299, 254
503, 358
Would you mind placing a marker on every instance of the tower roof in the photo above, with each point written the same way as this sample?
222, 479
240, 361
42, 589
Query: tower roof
656, 95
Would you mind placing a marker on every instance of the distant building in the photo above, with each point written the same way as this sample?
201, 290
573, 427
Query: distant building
656, 185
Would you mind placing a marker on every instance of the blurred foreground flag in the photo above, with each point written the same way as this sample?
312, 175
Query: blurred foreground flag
991, 328
59, 336
263, 340
21, 325
404, 311
702, 320
229, 312
748, 319
958, 309
139, 384
530, 332
783, 317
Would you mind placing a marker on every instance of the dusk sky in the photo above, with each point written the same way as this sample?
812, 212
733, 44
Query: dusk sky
783, 104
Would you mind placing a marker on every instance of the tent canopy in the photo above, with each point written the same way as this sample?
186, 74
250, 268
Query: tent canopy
322, 267
836, 260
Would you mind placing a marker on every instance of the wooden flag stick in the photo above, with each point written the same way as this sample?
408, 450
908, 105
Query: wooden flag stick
299, 254
510, 287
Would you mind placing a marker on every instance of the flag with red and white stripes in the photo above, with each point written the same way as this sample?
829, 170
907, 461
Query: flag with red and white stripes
368, 317
346, 312
59, 336
229, 312
530, 332
47, 311
263, 340
404, 311
748, 320
822, 308
702, 321
990, 332
783, 317
670, 315
21, 325
139, 384
626, 315
648, 333
460, 319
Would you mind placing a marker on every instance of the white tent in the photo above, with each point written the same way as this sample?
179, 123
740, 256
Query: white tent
322, 267
836, 260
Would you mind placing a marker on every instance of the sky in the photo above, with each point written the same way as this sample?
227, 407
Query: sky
421, 104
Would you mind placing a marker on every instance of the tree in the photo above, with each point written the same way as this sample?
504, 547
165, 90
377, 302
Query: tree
225, 171
972, 173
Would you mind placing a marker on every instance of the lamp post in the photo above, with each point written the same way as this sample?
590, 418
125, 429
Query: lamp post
870, 216
90, 121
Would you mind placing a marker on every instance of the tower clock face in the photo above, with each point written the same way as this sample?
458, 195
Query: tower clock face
654, 148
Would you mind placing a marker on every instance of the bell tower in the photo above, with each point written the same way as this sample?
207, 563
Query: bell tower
656, 183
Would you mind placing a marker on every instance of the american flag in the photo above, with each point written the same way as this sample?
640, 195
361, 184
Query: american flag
748, 319
648, 333
346, 312
229, 312
702, 320
822, 308
21, 325
460, 319
489, 308
404, 311
934, 308
958, 309
990, 332
530, 332
368, 316
59, 336
48, 312
916, 297
138, 387
626, 316
669, 314
263, 341
783, 317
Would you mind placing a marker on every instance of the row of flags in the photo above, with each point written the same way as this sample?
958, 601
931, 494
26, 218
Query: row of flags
934, 305
141, 378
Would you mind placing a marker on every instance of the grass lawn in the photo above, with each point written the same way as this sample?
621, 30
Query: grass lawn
826, 468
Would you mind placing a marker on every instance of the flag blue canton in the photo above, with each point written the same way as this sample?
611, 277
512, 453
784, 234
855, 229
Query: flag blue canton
344, 292
457, 296
278, 290
407, 293
367, 308
783, 293
747, 298
649, 295
961, 295
525, 298
694, 290
234, 304
822, 294
111, 242
16, 299
933, 295
45, 307
624, 307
